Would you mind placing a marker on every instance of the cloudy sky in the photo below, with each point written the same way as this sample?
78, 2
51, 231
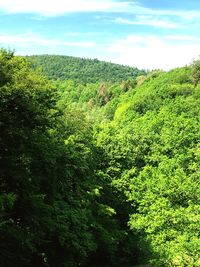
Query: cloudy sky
148, 34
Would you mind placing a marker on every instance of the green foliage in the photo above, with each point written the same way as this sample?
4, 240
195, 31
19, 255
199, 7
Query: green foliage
101, 169
153, 146
83, 70
45, 210
196, 71
57, 204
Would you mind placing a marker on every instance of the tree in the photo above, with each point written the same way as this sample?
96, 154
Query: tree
56, 203
153, 157
196, 71
45, 208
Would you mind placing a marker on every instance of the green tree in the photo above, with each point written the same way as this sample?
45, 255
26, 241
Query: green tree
153, 158
45, 208
196, 71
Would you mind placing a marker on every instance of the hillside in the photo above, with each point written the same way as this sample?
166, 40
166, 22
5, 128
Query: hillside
99, 174
83, 70
152, 144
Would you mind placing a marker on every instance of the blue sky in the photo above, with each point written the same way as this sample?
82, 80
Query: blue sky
148, 34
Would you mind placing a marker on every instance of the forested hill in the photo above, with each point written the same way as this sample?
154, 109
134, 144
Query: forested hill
99, 175
83, 70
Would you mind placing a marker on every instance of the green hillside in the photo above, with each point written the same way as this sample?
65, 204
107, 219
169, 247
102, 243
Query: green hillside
153, 147
83, 70
99, 174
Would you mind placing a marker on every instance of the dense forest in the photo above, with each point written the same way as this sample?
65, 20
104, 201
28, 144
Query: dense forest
100, 166
82, 70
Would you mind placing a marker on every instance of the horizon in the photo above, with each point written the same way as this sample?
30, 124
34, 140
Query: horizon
144, 34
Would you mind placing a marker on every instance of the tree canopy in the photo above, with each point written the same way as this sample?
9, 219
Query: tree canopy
83, 70
99, 173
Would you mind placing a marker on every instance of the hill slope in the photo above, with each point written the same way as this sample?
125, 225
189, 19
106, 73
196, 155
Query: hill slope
101, 174
153, 146
83, 70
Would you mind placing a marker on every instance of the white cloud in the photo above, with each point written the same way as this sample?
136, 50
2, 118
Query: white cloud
153, 52
31, 39
186, 15
149, 21
59, 7
185, 38
82, 34
144, 52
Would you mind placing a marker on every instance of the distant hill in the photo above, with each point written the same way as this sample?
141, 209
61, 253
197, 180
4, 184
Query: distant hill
83, 70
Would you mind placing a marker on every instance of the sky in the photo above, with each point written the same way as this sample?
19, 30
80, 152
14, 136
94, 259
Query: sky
148, 34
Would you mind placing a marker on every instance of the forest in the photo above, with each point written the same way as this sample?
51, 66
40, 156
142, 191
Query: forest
100, 164
82, 70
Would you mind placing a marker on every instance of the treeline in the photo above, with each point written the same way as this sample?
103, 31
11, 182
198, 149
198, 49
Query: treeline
83, 70
101, 174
